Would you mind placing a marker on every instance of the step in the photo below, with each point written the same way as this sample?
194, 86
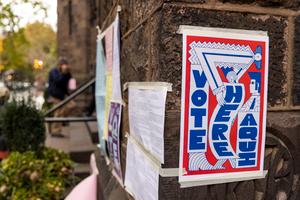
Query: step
81, 156
94, 132
81, 145
93, 126
82, 170
95, 137
61, 143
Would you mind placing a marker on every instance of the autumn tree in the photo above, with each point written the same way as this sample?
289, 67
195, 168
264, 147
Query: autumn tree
41, 44
21, 45
36, 41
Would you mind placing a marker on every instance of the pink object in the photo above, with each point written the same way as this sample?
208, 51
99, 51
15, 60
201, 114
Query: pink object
86, 189
93, 165
72, 84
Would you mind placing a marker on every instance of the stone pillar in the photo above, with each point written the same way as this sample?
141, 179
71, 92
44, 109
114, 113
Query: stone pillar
76, 33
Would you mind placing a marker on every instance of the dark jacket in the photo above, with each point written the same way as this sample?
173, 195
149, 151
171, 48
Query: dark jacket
58, 83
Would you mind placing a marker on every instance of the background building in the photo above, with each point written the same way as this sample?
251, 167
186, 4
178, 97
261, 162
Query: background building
151, 51
76, 33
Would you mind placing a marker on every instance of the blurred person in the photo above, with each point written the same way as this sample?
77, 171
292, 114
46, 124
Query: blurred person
4, 93
59, 78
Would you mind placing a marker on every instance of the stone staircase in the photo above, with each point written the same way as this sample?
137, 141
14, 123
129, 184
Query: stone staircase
78, 143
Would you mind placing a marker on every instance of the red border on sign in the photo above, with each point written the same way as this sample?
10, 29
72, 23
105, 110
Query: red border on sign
212, 103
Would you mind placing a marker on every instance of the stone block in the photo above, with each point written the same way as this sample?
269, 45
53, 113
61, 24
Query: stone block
242, 188
105, 6
135, 55
285, 125
171, 45
169, 188
189, 1
135, 11
172, 138
142, 9
272, 3
296, 67
200, 192
126, 16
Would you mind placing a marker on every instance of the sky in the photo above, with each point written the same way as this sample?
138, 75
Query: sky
26, 12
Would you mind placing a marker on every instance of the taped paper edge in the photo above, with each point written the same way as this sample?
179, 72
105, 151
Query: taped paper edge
146, 152
129, 191
199, 29
153, 157
148, 85
168, 172
163, 172
120, 101
120, 181
119, 8
220, 180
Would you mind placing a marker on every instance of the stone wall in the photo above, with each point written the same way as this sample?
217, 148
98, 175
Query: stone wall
151, 51
76, 33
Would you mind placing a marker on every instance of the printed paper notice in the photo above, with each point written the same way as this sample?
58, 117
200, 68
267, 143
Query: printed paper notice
141, 178
100, 93
108, 75
146, 118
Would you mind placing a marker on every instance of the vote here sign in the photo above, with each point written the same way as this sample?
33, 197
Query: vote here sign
224, 101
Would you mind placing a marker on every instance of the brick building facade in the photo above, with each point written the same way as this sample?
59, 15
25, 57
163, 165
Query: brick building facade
151, 51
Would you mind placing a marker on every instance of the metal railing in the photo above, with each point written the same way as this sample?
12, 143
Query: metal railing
73, 95
69, 119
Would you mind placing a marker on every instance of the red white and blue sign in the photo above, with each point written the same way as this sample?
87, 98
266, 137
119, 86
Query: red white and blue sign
224, 102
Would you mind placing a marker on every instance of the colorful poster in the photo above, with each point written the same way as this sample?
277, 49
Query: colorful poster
100, 92
116, 84
224, 102
113, 142
108, 74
